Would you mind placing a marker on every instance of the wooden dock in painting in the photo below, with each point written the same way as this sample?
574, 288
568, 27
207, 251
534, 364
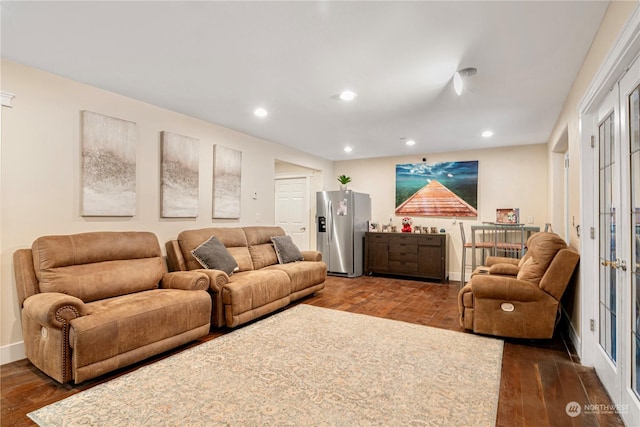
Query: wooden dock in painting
434, 199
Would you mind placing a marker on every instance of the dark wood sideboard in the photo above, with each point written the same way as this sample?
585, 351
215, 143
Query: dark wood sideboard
407, 254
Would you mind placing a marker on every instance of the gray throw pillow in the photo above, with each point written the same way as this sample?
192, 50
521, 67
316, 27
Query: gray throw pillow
286, 250
213, 255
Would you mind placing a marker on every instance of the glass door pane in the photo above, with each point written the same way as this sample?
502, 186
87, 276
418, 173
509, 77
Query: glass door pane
634, 169
607, 218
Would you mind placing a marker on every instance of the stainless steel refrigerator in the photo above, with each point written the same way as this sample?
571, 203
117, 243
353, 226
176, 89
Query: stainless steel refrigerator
342, 219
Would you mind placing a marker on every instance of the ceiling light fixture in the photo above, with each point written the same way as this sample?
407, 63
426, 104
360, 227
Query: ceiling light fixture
348, 95
487, 133
458, 76
348, 149
260, 112
410, 142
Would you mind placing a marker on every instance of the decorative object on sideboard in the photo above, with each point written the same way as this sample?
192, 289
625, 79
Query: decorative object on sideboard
406, 224
344, 180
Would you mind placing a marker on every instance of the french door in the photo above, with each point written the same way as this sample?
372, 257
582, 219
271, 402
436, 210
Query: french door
617, 310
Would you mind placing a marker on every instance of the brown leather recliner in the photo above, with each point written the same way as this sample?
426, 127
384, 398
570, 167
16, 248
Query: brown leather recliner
524, 306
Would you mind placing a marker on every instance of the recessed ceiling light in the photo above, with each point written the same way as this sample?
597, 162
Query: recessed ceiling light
487, 133
348, 95
410, 142
348, 149
260, 112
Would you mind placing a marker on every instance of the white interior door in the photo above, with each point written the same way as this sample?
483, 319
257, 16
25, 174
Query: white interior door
629, 267
608, 204
617, 352
292, 209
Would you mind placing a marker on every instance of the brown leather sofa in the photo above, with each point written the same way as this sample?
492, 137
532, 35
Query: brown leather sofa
261, 284
526, 305
95, 302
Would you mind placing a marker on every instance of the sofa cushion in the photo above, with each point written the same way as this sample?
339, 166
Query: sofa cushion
251, 289
304, 274
116, 326
213, 255
260, 245
286, 250
540, 253
97, 265
263, 255
233, 238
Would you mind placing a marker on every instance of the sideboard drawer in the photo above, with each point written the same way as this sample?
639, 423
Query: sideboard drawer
403, 267
404, 256
411, 248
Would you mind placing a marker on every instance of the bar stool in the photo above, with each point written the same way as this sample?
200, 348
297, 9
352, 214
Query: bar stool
484, 245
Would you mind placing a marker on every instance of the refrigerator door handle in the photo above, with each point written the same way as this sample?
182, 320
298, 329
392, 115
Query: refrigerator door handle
329, 222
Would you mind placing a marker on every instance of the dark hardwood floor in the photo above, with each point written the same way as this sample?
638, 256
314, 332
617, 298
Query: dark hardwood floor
539, 378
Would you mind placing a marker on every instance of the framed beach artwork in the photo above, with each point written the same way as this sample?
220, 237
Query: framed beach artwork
179, 175
447, 189
227, 173
108, 166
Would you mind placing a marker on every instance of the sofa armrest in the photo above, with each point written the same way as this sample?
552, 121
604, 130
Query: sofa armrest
505, 288
492, 260
312, 255
217, 278
187, 280
53, 309
504, 269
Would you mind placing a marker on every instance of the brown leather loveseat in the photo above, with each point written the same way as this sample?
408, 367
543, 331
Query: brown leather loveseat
260, 283
95, 302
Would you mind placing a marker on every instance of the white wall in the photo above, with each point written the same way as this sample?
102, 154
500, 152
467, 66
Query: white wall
508, 177
40, 171
567, 133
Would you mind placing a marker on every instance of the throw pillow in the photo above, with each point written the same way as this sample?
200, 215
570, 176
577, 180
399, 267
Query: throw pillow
286, 250
213, 255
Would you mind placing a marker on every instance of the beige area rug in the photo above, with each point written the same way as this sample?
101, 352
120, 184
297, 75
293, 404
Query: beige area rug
306, 366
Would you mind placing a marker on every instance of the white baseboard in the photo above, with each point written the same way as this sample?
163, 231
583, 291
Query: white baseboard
12, 353
573, 334
455, 276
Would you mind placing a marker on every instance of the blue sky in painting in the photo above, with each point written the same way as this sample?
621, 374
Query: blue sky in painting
439, 171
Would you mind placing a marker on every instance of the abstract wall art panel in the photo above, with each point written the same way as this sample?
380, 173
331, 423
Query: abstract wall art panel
448, 189
108, 166
227, 168
179, 174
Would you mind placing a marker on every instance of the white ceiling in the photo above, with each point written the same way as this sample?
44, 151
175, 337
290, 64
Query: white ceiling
218, 61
